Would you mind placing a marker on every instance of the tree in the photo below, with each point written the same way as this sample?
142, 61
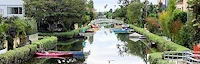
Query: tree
167, 18
56, 15
134, 12
91, 4
120, 13
187, 36
91, 11
12, 27
195, 6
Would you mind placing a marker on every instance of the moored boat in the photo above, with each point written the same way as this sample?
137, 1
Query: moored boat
46, 53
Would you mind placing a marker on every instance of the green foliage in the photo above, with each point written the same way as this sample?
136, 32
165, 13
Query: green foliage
120, 13
187, 34
153, 25
156, 58
180, 15
46, 43
23, 53
91, 4
69, 34
32, 26
12, 26
26, 52
21, 25
195, 5
53, 15
164, 21
109, 15
134, 12
164, 44
171, 7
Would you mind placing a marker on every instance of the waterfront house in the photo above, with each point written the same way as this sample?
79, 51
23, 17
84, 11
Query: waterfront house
11, 8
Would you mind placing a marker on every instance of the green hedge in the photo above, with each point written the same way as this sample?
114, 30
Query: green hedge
25, 53
164, 45
46, 43
156, 58
69, 34
18, 55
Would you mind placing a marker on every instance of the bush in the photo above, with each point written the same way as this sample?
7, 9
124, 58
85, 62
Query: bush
69, 34
18, 55
25, 53
46, 43
156, 58
32, 26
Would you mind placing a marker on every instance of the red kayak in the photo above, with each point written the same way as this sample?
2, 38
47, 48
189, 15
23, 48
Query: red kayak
57, 57
56, 54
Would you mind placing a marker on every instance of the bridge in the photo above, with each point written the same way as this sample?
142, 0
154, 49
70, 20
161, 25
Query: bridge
105, 22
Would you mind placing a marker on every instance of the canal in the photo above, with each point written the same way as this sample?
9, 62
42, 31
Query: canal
104, 47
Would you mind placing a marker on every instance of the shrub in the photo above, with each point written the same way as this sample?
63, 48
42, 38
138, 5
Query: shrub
46, 43
22, 54
25, 53
156, 58
32, 26
69, 34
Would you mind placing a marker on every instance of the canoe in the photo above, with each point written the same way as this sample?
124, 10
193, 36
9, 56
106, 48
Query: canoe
53, 54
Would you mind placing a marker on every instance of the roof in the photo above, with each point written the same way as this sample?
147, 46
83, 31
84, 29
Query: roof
11, 2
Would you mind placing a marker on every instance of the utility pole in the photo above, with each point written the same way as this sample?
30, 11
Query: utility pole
188, 12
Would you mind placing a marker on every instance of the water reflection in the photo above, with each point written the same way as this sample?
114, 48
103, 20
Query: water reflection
107, 47
68, 45
102, 48
138, 48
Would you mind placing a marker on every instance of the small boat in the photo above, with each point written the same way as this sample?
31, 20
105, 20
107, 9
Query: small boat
142, 37
53, 54
56, 57
89, 31
95, 26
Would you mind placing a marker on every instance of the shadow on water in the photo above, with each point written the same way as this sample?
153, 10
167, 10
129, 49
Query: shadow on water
137, 48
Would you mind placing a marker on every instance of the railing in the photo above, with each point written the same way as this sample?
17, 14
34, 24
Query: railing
186, 57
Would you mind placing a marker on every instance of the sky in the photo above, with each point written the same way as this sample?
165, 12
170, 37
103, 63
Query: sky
99, 4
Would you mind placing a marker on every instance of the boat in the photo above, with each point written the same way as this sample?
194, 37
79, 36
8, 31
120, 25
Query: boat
89, 31
56, 57
142, 37
117, 30
53, 54
136, 35
95, 26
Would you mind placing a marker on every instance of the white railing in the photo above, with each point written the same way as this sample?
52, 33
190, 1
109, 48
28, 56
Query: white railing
184, 56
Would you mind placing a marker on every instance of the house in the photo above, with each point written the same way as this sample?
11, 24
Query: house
182, 5
164, 2
11, 8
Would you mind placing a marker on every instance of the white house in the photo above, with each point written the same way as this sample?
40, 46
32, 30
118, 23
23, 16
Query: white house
11, 7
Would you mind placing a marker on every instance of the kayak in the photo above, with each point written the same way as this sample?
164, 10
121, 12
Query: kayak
53, 54
56, 57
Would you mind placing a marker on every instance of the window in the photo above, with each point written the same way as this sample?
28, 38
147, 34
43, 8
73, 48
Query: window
14, 10
1, 11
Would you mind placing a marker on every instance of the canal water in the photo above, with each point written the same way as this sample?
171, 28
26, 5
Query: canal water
104, 47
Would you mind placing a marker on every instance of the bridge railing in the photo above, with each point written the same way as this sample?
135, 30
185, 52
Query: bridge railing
184, 56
